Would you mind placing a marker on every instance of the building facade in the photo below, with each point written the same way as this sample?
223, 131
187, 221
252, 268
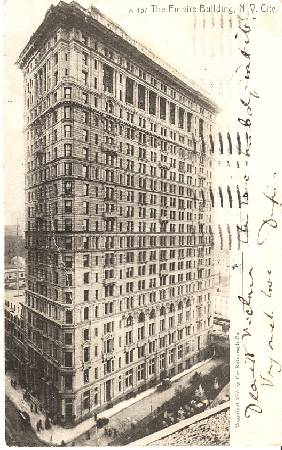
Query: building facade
15, 348
118, 215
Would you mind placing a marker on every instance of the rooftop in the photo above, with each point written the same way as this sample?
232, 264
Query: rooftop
92, 17
211, 431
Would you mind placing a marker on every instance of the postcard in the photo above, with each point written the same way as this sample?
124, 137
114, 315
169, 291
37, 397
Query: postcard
143, 199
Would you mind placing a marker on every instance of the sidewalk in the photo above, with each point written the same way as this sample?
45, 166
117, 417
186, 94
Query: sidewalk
124, 414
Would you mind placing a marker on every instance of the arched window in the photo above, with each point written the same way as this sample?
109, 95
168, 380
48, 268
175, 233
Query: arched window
171, 308
180, 305
152, 314
109, 107
129, 321
188, 303
141, 317
162, 311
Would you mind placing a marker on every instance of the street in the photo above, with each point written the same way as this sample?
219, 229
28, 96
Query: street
122, 421
15, 434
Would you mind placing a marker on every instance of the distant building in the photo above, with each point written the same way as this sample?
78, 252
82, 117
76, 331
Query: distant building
14, 274
14, 243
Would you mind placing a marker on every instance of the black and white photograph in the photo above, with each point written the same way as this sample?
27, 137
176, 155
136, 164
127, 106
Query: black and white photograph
129, 131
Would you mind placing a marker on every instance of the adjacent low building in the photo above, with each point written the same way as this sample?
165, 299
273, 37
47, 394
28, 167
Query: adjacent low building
15, 347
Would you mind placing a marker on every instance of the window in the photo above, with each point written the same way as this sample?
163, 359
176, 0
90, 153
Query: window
86, 313
151, 367
84, 59
86, 376
152, 102
163, 108
172, 113
86, 334
69, 317
141, 372
68, 224
181, 118
67, 131
128, 378
68, 297
85, 135
68, 169
86, 295
68, 338
68, 261
201, 127
67, 112
108, 78
68, 206
129, 91
189, 122
86, 277
68, 150
68, 382
84, 77
68, 187
86, 400
86, 259
67, 92
86, 354
141, 96
68, 359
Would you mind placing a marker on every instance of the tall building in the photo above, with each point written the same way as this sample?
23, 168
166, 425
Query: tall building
118, 215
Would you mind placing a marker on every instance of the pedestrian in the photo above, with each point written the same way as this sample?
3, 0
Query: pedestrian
35, 408
63, 444
39, 425
31, 407
47, 423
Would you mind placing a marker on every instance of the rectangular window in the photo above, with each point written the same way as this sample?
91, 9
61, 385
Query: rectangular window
86, 259
68, 359
67, 131
68, 150
86, 354
163, 108
86, 400
69, 317
67, 92
108, 78
67, 112
68, 338
152, 102
84, 77
189, 122
85, 135
141, 96
68, 206
86, 334
86, 376
68, 188
172, 113
129, 91
68, 382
